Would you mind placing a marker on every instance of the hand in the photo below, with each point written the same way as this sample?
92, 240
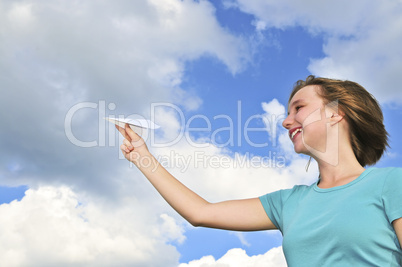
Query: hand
133, 147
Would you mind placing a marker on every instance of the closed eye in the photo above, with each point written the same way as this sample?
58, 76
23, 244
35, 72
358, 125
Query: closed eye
298, 107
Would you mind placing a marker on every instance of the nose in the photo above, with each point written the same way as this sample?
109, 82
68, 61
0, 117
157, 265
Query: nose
287, 123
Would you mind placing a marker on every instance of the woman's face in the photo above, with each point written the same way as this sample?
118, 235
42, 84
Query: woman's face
307, 121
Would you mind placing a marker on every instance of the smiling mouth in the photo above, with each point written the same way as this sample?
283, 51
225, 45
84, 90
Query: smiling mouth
293, 133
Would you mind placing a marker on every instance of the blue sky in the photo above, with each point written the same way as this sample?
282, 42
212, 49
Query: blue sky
67, 64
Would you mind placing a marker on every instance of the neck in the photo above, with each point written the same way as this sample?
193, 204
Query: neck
346, 170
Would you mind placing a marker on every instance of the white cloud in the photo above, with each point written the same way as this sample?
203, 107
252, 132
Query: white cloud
238, 258
273, 108
273, 118
50, 227
125, 53
372, 60
362, 38
315, 15
171, 229
242, 238
60, 53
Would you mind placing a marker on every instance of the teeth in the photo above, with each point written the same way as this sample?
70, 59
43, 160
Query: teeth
295, 132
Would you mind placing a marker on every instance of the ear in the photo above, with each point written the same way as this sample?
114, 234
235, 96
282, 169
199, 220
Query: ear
335, 118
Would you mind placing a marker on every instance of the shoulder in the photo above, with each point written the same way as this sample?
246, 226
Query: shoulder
391, 192
386, 179
386, 171
284, 194
393, 176
386, 174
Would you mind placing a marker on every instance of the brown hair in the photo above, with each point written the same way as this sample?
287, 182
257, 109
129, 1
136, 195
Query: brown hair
368, 136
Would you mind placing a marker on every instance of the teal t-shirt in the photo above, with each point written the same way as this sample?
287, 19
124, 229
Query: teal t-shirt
348, 225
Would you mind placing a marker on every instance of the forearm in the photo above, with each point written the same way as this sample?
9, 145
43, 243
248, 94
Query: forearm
182, 199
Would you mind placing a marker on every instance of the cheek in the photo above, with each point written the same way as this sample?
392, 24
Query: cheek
310, 116
315, 133
316, 129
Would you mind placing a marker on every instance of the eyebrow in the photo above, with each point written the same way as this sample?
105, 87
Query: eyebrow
295, 103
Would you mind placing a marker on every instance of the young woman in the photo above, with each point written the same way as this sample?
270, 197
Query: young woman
351, 216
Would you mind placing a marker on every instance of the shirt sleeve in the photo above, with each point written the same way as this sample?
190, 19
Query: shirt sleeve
273, 204
392, 194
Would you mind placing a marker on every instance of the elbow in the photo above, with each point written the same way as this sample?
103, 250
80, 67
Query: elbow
195, 224
195, 221
200, 218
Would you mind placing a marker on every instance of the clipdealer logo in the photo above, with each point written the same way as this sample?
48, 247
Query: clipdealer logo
238, 130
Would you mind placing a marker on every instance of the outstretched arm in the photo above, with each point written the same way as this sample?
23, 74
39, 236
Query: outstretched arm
239, 215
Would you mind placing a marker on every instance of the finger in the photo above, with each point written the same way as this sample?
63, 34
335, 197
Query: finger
134, 138
128, 144
133, 135
123, 132
124, 149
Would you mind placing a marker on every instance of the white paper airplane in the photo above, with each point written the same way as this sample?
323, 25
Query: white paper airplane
140, 126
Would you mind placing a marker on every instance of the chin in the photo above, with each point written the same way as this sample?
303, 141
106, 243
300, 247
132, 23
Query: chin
301, 149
